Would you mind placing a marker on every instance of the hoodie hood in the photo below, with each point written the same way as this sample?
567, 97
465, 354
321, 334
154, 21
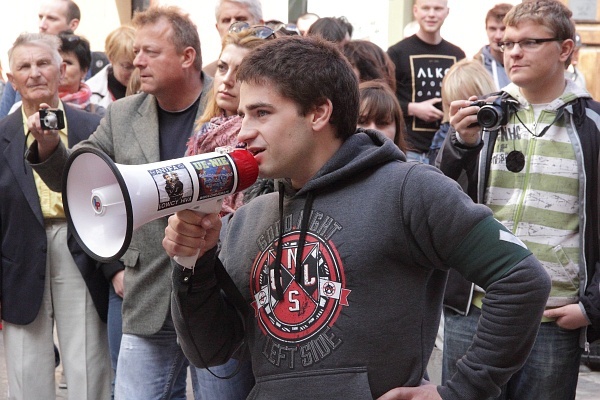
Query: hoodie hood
364, 150
572, 92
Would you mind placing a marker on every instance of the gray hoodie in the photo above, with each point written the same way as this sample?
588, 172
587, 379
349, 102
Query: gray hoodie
360, 316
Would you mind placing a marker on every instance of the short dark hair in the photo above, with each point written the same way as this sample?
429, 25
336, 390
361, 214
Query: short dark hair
371, 61
307, 70
185, 32
330, 28
77, 45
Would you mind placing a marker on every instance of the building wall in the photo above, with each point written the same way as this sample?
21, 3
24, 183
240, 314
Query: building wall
381, 21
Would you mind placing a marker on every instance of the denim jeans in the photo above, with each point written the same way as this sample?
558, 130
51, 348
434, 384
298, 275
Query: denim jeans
151, 367
114, 326
208, 387
418, 157
550, 372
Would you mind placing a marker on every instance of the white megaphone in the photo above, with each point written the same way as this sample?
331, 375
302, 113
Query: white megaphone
105, 202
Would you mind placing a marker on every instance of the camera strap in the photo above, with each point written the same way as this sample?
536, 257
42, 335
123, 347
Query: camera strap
515, 160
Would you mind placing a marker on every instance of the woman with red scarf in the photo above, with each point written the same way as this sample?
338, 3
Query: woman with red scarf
75, 52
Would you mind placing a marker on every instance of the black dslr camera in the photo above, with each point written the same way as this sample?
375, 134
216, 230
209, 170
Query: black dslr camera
492, 114
52, 119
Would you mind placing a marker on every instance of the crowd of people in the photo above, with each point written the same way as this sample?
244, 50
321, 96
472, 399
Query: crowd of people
354, 255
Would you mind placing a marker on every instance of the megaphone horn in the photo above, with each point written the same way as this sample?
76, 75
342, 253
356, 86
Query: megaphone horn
106, 202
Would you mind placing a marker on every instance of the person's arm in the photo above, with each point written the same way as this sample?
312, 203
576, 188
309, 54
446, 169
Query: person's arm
510, 318
209, 328
426, 110
584, 313
453, 232
51, 163
8, 99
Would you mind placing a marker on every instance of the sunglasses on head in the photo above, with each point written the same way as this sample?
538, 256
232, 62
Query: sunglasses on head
260, 31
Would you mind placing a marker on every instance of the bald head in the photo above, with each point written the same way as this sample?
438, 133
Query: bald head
56, 16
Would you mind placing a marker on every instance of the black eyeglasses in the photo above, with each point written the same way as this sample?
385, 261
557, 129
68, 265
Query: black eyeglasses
526, 44
260, 31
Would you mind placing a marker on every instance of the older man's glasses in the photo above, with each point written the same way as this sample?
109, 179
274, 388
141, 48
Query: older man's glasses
526, 44
260, 31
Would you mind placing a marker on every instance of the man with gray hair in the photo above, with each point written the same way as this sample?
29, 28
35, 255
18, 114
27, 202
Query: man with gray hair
228, 12
46, 278
54, 17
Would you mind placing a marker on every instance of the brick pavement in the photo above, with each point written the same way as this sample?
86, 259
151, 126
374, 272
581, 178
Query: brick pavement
587, 389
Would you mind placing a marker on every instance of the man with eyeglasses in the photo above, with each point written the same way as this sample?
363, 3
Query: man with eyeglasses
538, 172
151, 126
228, 12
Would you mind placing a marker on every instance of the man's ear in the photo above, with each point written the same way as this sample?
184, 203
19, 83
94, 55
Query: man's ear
566, 49
73, 24
321, 115
63, 69
188, 57
11, 79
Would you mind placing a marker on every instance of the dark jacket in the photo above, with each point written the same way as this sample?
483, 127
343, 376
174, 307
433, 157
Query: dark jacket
356, 313
23, 235
582, 116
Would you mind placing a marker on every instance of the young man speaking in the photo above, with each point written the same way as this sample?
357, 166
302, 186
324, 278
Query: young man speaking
343, 270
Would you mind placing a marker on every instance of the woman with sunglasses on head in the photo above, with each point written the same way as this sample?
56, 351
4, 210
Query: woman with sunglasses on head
219, 126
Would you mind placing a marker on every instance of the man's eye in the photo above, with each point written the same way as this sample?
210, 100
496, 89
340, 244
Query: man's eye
528, 43
261, 113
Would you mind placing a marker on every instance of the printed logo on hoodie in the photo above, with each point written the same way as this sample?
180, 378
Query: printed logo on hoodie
298, 324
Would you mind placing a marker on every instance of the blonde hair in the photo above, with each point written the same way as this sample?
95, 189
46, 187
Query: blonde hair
119, 43
464, 79
244, 39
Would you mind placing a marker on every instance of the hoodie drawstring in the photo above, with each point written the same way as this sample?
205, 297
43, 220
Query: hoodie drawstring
276, 265
302, 238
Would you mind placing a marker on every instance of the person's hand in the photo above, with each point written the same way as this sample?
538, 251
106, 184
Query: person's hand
189, 231
567, 317
463, 118
423, 392
426, 110
47, 140
117, 282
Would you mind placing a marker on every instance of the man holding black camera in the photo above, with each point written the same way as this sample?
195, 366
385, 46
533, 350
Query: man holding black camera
538, 172
46, 277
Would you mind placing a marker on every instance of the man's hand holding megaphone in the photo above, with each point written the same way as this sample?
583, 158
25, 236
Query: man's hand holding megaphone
189, 233
47, 140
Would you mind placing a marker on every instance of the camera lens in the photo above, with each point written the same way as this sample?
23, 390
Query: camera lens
489, 116
51, 121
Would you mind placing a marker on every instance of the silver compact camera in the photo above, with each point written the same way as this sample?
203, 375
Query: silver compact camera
52, 119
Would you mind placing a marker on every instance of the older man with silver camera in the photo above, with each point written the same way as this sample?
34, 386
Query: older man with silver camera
46, 277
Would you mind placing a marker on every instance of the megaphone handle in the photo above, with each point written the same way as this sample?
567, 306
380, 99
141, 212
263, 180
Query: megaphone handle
203, 209
187, 262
